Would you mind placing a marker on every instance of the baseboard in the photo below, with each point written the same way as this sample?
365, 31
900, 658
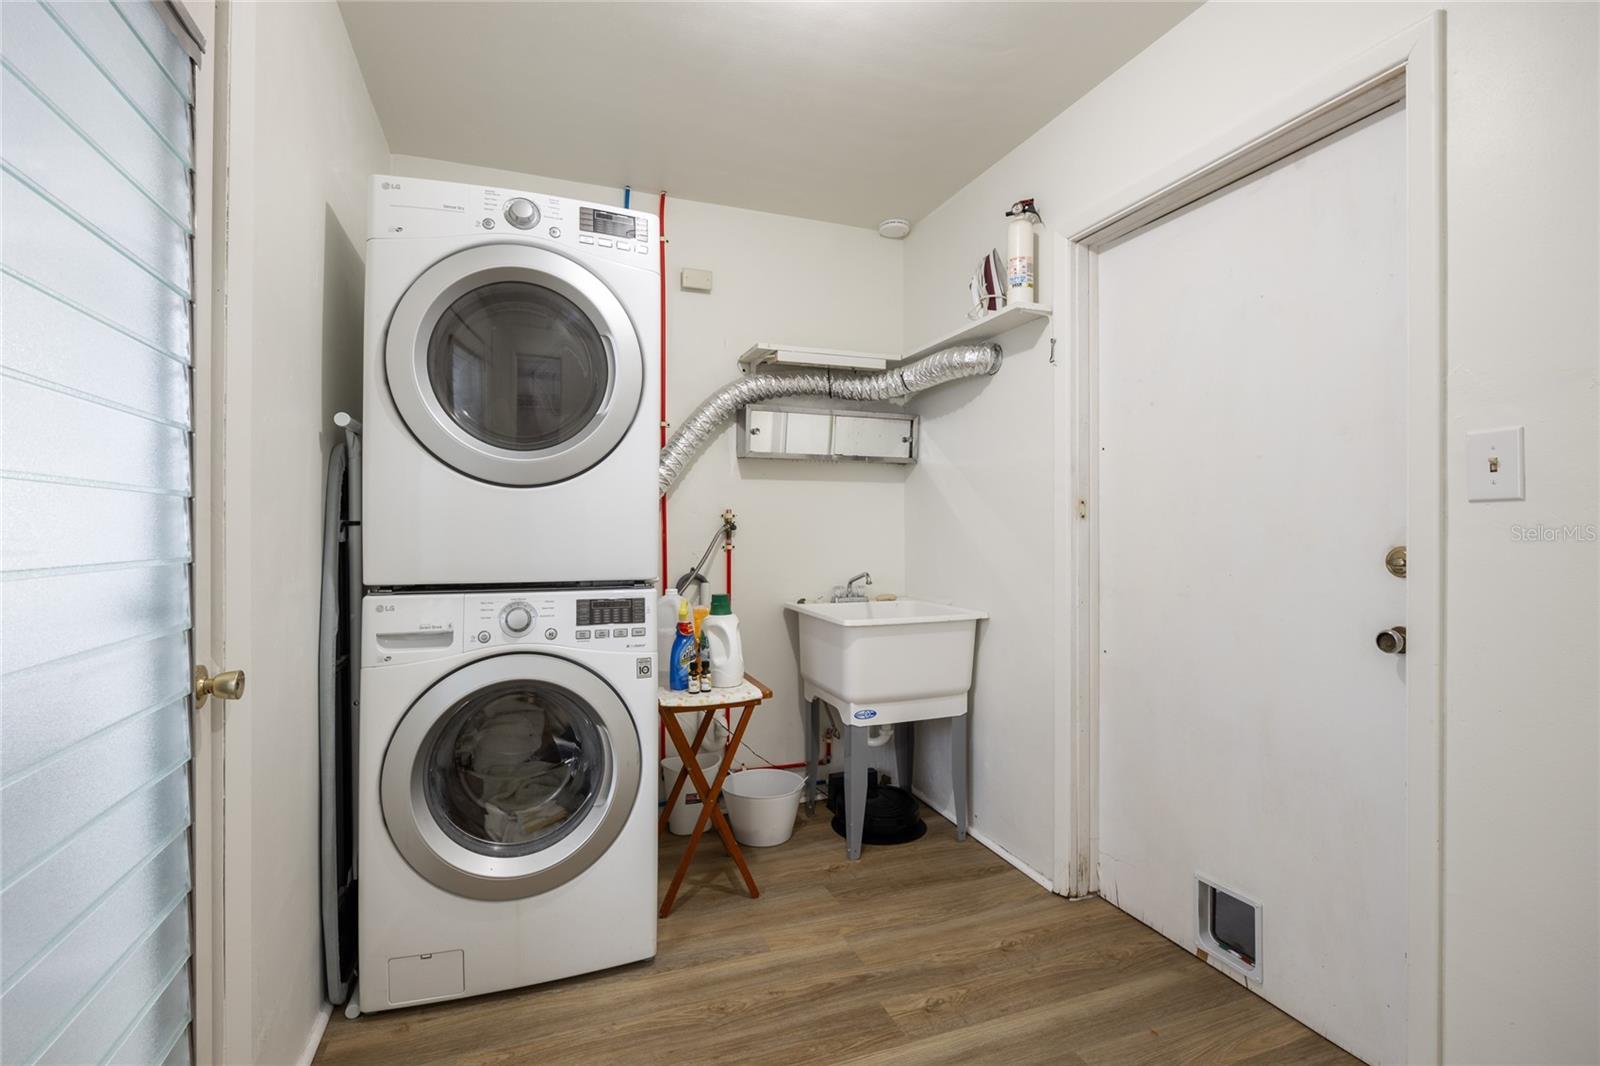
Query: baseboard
977, 834
314, 1040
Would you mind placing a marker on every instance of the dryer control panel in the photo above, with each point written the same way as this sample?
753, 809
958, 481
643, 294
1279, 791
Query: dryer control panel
411, 627
416, 207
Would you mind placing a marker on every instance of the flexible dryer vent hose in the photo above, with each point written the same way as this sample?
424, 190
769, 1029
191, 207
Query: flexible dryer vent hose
718, 409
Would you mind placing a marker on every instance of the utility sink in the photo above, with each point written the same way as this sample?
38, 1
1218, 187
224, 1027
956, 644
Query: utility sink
887, 661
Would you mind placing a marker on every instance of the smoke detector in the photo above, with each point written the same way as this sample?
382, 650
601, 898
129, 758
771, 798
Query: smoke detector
894, 228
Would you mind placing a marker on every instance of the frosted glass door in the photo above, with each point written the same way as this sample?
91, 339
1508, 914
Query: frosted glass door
95, 288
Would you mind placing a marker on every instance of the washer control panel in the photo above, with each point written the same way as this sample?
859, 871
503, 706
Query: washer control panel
408, 627
602, 619
611, 618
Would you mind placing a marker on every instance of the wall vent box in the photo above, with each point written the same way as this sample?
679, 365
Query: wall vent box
1229, 928
768, 431
767, 353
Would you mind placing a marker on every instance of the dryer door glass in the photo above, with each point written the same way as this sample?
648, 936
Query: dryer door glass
515, 365
518, 366
514, 767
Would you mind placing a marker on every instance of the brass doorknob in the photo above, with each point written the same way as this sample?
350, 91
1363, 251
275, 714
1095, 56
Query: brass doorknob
1392, 641
228, 685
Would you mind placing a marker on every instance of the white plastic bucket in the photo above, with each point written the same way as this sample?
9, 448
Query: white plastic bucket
716, 738
762, 805
684, 813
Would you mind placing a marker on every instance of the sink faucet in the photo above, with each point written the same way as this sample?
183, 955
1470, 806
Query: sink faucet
851, 594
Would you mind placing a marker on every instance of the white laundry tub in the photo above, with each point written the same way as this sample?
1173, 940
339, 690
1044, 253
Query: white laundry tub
887, 661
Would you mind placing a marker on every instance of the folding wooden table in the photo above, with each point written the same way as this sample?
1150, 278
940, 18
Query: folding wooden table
743, 699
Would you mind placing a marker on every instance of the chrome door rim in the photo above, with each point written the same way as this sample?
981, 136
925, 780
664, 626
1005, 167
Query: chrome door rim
439, 858
406, 364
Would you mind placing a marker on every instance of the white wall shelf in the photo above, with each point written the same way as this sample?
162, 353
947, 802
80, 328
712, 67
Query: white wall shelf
766, 354
989, 326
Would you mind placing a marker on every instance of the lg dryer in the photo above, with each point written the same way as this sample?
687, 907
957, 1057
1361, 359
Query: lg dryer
511, 388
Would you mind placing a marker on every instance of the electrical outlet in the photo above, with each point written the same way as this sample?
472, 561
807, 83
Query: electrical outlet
1494, 464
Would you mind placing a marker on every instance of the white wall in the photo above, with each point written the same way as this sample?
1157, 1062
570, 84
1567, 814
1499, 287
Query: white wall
1522, 932
302, 139
978, 534
803, 527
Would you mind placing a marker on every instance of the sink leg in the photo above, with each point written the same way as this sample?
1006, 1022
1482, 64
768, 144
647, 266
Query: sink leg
813, 727
904, 753
958, 771
855, 789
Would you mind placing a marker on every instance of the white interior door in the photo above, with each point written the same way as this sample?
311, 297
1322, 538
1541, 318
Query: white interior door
99, 830
1252, 363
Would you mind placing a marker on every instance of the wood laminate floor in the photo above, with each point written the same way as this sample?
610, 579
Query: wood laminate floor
930, 952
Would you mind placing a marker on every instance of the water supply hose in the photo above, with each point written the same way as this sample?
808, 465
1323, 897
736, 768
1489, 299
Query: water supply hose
718, 409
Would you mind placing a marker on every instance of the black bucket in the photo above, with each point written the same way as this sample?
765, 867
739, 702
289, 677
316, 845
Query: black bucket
893, 815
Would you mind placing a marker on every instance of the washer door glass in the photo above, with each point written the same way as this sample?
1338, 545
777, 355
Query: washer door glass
518, 366
514, 365
511, 775
514, 767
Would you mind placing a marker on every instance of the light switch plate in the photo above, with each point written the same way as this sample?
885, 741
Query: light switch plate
692, 280
1494, 464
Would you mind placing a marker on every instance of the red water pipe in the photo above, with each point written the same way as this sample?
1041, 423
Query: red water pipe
727, 550
661, 216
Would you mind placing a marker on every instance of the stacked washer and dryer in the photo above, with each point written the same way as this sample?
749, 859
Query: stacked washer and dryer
506, 811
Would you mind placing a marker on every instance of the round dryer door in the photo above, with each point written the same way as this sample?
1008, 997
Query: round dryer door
510, 776
514, 365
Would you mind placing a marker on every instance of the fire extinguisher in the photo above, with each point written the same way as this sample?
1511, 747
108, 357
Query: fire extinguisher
1019, 252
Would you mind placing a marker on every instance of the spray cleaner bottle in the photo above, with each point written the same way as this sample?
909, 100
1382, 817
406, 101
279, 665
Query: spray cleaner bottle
683, 650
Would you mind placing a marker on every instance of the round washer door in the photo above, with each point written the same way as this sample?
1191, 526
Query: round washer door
510, 776
514, 365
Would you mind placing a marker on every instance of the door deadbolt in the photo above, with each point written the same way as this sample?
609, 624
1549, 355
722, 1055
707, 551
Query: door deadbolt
1395, 561
1392, 641
228, 685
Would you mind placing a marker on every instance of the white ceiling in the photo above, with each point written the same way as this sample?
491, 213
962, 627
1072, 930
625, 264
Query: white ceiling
850, 112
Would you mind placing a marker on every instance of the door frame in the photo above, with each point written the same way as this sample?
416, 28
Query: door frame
1408, 67
206, 646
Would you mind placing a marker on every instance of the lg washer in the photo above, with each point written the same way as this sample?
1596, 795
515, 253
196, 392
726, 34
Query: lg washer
507, 817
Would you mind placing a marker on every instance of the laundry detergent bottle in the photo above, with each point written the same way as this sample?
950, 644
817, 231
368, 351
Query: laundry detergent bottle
666, 633
722, 638
683, 650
